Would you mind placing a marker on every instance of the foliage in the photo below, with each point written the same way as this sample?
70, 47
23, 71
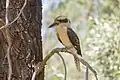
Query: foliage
101, 41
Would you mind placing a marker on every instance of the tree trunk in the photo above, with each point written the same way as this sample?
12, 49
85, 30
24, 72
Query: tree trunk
25, 36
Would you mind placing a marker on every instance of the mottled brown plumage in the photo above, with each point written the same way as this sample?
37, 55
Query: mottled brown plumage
74, 40
67, 36
64, 31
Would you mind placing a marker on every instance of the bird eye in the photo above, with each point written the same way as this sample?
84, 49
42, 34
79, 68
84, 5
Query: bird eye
65, 20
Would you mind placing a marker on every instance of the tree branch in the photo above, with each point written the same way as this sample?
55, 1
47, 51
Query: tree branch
21, 10
57, 50
7, 33
9, 43
64, 66
86, 64
40, 65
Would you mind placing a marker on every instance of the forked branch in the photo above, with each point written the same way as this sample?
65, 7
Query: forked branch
57, 50
40, 65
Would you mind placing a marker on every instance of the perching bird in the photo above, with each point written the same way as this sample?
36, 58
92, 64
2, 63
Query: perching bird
65, 34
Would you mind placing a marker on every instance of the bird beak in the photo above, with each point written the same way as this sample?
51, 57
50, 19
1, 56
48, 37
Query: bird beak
53, 24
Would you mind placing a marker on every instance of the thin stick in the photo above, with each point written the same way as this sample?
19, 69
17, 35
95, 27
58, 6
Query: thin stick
9, 47
8, 35
6, 16
40, 66
86, 64
21, 10
86, 73
57, 50
65, 77
9, 62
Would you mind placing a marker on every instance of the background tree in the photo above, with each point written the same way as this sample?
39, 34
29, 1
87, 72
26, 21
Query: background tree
25, 38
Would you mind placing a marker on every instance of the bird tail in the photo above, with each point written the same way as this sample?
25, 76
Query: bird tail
77, 63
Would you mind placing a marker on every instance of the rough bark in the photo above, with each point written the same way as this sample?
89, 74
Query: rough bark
25, 35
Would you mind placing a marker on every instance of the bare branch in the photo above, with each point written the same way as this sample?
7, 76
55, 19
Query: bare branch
64, 66
35, 72
9, 45
6, 32
7, 6
86, 64
40, 66
86, 73
21, 10
9, 62
57, 50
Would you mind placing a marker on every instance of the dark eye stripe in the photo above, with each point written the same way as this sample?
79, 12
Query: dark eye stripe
64, 20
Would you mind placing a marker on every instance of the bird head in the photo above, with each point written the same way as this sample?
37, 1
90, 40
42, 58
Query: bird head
60, 20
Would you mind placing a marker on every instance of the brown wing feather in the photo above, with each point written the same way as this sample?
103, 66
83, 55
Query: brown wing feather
74, 40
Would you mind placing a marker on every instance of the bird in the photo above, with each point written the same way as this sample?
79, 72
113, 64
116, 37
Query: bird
65, 33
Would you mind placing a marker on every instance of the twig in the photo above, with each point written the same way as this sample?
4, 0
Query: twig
5, 26
82, 61
64, 66
8, 35
6, 16
86, 73
57, 50
35, 72
9, 45
9, 62
40, 65
86, 64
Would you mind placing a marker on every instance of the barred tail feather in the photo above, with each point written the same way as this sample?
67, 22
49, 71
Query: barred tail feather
77, 63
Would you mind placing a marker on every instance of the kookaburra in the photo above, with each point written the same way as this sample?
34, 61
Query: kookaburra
65, 34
